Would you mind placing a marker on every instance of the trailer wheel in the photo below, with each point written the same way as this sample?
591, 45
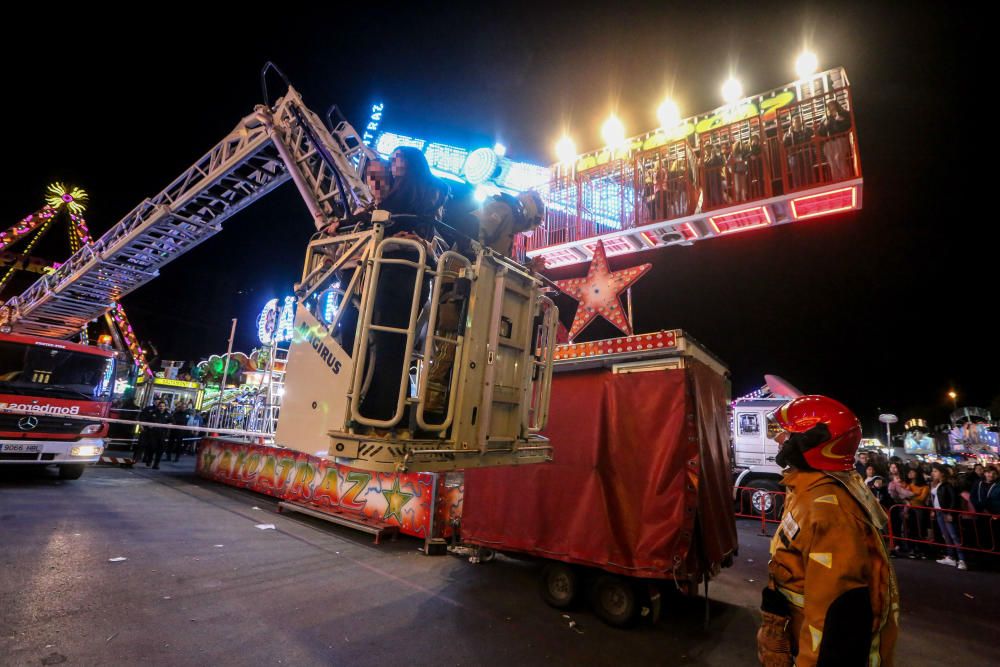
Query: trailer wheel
560, 585
614, 601
71, 471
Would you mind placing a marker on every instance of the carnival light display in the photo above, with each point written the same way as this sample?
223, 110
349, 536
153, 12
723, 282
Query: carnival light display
599, 293
27, 225
131, 341
485, 166
73, 200
274, 324
373, 122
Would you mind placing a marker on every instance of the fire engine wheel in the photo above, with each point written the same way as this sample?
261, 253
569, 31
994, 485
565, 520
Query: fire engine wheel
560, 585
71, 471
764, 497
615, 601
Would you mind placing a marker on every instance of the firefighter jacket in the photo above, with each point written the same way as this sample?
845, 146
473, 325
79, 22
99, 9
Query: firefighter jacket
829, 561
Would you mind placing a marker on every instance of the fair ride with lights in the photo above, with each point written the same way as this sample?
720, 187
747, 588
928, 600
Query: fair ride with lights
66, 204
780, 157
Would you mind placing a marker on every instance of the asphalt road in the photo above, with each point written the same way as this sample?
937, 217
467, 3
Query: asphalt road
202, 585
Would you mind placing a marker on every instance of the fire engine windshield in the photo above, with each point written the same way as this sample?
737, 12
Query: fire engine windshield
44, 371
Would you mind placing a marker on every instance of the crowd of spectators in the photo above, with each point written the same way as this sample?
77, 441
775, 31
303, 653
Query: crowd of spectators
935, 509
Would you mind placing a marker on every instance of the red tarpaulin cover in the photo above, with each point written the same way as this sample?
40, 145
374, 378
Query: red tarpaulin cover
634, 465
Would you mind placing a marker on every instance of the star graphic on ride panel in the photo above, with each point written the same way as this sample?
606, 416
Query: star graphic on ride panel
599, 292
395, 500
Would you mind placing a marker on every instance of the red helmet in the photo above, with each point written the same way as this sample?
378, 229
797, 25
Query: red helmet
802, 413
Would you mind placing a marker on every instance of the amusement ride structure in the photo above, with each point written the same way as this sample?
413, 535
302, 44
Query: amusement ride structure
65, 204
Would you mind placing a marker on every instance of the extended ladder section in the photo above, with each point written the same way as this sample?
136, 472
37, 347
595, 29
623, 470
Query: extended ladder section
467, 361
264, 150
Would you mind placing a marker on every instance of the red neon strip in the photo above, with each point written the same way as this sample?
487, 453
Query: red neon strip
831, 196
688, 231
652, 240
731, 218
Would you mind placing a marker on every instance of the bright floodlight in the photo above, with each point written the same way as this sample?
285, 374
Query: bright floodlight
566, 150
806, 64
731, 91
499, 149
613, 132
481, 193
668, 114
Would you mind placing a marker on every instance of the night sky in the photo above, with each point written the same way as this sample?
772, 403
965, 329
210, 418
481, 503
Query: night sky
885, 309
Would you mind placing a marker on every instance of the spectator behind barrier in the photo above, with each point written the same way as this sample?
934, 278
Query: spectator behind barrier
985, 494
915, 521
861, 463
880, 490
944, 497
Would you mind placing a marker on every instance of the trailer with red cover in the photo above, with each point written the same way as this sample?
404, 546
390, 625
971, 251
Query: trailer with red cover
639, 489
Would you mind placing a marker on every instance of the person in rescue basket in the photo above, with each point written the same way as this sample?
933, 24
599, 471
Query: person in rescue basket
831, 598
415, 201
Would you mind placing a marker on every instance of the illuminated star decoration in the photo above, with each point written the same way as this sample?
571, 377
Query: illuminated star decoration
599, 292
74, 199
395, 501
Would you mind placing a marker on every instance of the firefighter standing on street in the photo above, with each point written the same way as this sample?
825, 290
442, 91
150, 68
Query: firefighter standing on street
832, 597
152, 440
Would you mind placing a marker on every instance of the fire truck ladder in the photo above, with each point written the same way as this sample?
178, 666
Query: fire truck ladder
247, 164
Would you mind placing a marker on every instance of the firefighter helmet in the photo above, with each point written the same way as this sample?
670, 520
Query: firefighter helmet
803, 413
532, 208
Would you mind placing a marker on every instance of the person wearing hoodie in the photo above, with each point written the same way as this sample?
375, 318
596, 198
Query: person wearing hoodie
880, 490
985, 494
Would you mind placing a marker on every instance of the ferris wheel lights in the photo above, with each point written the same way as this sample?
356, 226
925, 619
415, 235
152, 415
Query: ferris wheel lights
806, 64
566, 150
732, 90
669, 114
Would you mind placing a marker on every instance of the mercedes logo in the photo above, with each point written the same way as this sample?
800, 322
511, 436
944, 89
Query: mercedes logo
27, 423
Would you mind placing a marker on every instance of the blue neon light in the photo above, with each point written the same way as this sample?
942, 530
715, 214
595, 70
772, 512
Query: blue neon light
476, 167
389, 141
373, 122
480, 165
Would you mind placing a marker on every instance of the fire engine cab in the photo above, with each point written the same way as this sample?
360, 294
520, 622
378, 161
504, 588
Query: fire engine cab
46, 387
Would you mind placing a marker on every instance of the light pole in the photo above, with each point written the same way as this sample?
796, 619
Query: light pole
888, 420
954, 400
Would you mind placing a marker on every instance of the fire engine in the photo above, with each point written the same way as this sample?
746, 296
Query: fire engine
46, 387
